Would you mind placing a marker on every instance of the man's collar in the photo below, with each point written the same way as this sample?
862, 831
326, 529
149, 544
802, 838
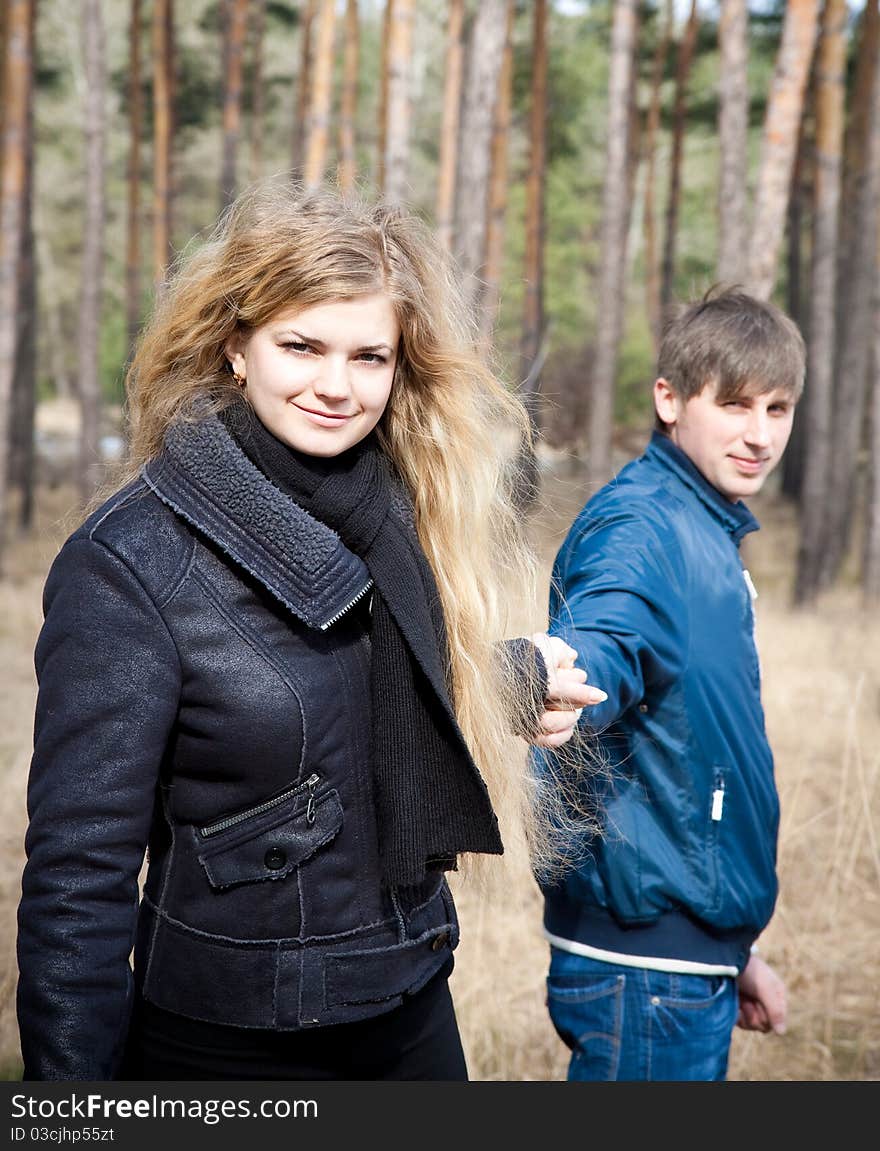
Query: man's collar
734, 517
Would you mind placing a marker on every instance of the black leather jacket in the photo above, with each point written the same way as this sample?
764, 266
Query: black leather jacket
204, 693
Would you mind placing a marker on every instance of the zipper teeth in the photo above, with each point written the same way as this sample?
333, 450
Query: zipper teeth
232, 820
360, 595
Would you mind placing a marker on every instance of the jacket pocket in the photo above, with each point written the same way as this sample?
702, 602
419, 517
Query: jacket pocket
272, 839
714, 817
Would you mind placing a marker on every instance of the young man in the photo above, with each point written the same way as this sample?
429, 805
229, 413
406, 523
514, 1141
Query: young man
652, 934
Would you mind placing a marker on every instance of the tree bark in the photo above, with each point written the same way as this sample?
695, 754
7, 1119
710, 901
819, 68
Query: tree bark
682, 72
474, 158
93, 252
830, 98
133, 217
322, 95
652, 270
397, 124
784, 109
299, 136
871, 559
21, 459
856, 133
733, 129
497, 208
533, 298
854, 339
610, 286
348, 109
163, 18
233, 54
382, 135
258, 102
17, 102
445, 211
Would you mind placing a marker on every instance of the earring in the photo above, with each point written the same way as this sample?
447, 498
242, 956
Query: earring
240, 380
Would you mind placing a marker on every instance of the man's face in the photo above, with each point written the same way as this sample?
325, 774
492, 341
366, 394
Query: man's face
735, 444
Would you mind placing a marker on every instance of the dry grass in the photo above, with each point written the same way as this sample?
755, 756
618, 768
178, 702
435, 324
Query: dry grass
822, 697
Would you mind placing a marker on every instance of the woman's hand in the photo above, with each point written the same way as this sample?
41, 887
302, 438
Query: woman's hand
568, 692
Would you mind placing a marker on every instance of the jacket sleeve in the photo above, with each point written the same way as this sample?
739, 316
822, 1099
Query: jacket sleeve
618, 596
109, 683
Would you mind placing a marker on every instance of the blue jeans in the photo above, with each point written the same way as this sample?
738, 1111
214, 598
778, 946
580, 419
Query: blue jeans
628, 1023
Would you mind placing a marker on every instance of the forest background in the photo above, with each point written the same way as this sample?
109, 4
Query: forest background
588, 163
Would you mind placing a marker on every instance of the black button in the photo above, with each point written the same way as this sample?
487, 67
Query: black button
275, 858
441, 940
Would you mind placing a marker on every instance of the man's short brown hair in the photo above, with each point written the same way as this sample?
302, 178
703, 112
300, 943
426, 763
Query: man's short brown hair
742, 345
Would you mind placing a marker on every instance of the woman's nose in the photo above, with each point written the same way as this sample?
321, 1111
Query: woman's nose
331, 379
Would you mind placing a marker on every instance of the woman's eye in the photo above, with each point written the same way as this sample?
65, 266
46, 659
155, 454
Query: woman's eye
371, 358
296, 346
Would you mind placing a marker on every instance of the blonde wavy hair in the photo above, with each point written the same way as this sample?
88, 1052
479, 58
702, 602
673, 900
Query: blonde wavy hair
450, 428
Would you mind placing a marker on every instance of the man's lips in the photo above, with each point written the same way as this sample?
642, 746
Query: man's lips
749, 463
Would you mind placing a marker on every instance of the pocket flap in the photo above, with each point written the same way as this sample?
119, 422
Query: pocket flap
270, 848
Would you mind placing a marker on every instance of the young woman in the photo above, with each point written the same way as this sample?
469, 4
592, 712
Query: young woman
272, 660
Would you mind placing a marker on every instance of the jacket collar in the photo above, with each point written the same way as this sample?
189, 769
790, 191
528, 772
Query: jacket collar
735, 518
204, 477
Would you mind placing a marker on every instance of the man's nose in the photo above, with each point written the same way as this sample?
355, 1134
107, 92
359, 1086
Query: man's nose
758, 429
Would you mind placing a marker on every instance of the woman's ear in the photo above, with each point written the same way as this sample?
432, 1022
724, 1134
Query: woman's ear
234, 349
667, 404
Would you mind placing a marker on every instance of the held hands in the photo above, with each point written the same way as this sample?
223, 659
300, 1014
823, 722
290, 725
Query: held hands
762, 1005
568, 692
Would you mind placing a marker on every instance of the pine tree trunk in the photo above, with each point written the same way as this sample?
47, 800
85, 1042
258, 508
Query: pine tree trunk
474, 157
610, 293
652, 269
258, 103
445, 210
233, 53
856, 134
322, 96
733, 128
382, 134
682, 72
17, 102
830, 99
779, 144
348, 109
871, 559
397, 124
533, 299
93, 253
497, 211
299, 136
853, 342
25, 383
163, 18
133, 216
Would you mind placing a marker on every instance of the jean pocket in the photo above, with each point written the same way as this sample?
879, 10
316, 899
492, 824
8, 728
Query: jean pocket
587, 1012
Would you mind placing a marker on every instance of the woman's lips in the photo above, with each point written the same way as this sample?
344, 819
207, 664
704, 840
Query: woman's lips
323, 419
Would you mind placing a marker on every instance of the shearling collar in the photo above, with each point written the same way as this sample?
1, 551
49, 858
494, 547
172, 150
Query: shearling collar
206, 479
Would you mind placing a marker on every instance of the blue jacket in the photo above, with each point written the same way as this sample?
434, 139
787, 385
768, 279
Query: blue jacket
649, 588
205, 693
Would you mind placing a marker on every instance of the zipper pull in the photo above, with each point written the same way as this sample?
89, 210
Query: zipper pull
311, 805
717, 803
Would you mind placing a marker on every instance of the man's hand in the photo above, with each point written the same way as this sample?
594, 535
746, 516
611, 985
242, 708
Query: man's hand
568, 692
762, 1005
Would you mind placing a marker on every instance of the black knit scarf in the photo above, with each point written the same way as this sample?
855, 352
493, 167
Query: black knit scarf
431, 801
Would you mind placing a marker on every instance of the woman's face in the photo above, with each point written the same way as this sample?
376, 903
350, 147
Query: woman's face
319, 378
